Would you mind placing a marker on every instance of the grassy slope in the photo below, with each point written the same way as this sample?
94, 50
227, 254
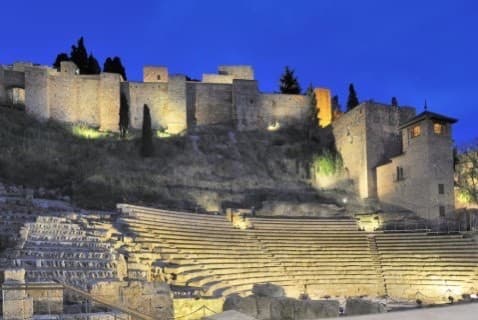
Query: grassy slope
220, 167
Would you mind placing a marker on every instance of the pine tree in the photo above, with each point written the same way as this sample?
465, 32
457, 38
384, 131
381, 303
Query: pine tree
79, 56
123, 116
114, 66
352, 101
394, 102
59, 58
147, 136
289, 83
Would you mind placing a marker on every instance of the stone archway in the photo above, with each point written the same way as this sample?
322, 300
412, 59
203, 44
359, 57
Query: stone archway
15, 96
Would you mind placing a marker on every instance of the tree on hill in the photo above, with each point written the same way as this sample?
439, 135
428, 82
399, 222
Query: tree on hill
394, 102
114, 65
147, 134
313, 112
466, 172
123, 116
352, 100
93, 65
87, 64
289, 83
79, 56
59, 58
335, 104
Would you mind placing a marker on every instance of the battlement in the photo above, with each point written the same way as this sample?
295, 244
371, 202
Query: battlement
227, 74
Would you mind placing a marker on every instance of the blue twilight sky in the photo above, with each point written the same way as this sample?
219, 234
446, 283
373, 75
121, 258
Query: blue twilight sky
412, 49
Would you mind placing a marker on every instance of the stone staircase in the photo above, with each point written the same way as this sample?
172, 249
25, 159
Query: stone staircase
58, 249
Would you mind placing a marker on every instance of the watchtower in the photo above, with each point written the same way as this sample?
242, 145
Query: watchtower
421, 178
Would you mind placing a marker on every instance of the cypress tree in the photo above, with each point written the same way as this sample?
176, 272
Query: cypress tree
312, 106
289, 83
394, 102
123, 116
79, 56
352, 101
114, 66
335, 104
59, 58
93, 65
147, 135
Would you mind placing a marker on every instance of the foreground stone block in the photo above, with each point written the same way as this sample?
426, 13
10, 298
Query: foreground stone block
229, 315
361, 306
268, 290
282, 308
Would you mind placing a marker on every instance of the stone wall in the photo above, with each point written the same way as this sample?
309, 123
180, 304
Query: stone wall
283, 109
245, 96
211, 104
155, 95
175, 104
36, 93
145, 297
368, 136
426, 163
176, 114
155, 74
349, 132
227, 74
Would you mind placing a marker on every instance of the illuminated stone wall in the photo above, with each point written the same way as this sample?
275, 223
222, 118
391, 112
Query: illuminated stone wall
324, 105
232, 99
155, 74
366, 137
283, 109
427, 161
211, 103
36, 93
227, 74
155, 95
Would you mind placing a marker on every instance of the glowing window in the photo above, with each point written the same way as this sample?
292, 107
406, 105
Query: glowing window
438, 128
415, 131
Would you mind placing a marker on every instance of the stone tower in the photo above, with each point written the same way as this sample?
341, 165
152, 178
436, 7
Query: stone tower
421, 178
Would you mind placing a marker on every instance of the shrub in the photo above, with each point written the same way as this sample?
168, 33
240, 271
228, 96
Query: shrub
328, 163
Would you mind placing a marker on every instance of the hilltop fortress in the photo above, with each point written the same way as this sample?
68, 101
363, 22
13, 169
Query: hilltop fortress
230, 98
389, 153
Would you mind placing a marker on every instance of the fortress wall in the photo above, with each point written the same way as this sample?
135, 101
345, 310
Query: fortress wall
109, 101
212, 103
238, 72
245, 95
349, 131
383, 137
36, 92
176, 112
155, 74
3, 93
217, 78
87, 108
63, 98
285, 109
155, 95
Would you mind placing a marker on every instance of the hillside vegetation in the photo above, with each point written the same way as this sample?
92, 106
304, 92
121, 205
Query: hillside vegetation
206, 170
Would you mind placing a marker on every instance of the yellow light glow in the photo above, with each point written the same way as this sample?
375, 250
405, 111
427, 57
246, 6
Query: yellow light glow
274, 127
86, 132
163, 134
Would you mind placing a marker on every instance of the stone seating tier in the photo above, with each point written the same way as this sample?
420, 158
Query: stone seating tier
332, 256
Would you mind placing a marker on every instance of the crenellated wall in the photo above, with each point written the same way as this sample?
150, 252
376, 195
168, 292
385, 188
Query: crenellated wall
229, 98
